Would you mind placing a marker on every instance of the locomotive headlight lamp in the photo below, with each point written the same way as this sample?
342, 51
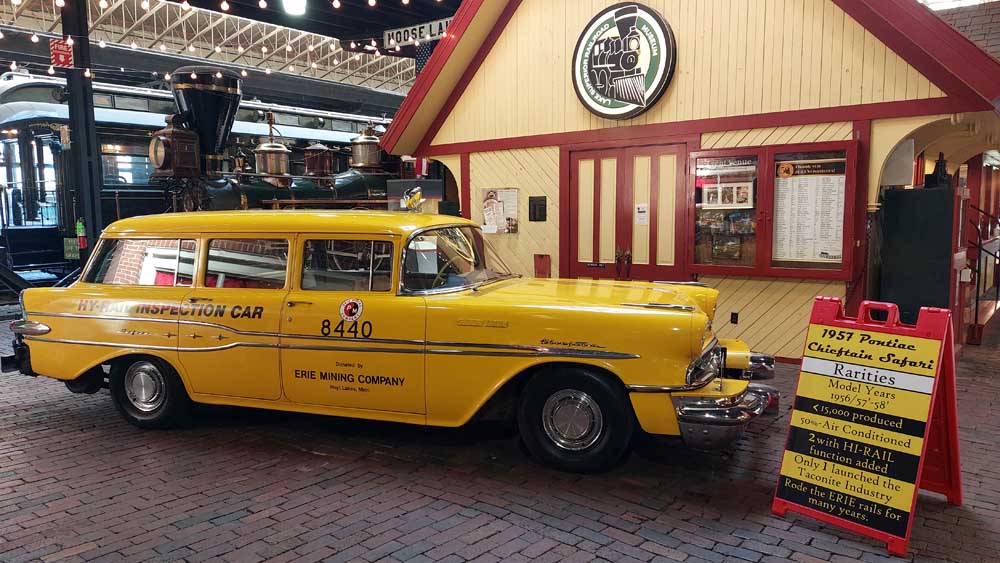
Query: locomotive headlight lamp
159, 152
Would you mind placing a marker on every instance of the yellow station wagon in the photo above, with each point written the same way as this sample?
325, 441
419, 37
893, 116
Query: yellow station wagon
402, 317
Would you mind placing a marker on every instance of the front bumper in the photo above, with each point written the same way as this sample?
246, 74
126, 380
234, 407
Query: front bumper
710, 423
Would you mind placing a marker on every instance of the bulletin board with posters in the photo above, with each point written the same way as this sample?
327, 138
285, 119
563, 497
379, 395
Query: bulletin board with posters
499, 210
874, 420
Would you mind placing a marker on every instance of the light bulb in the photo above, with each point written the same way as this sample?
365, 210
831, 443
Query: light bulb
15, 2
62, 4
288, 48
373, 43
263, 49
13, 65
69, 40
406, 2
357, 57
267, 71
191, 48
243, 72
371, 3
311, 48
133, 45
185, 5
336, 61
444, 34
144, 5
218, 49
336, 4
194, 76
416, 43
294, 7
314, 65
87, 73
218, 75
224, 6
52, 69
34, 38
291, 68
392, 40
102, 44
1, 35
166, 76
262, 4
398, 49
163, 46
155, 74
354, 45
239, 48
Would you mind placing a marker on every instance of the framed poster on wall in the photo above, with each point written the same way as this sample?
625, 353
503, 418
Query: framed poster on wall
499, 210
728, 195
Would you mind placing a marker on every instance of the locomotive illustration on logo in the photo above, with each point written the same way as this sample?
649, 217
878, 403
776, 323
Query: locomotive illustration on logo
614, 61
623, 61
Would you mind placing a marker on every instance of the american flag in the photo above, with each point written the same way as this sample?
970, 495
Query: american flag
424, 51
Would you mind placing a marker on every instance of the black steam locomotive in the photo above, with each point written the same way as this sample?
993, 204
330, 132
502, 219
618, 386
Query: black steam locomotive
614, 62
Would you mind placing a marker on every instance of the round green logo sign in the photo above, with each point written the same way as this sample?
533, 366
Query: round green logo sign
623, 61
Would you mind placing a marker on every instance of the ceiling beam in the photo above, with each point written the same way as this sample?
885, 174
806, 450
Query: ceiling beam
139, 21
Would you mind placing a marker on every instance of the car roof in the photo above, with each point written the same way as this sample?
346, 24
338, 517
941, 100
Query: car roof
281, 221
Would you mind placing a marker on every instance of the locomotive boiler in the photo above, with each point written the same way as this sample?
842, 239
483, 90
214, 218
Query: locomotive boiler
614, 61
202, 171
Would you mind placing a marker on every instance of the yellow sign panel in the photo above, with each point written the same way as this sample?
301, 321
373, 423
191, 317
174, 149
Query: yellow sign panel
874, 349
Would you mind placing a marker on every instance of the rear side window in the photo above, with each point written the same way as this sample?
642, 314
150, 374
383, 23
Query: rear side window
347, 265
144, 262
247, 263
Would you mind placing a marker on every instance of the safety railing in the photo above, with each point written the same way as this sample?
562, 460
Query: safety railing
987, 227
35, 205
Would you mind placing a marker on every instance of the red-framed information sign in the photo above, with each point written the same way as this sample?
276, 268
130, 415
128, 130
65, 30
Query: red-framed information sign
874, 420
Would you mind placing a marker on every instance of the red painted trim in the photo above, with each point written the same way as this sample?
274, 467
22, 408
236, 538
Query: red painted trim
919, 168
653, 213
567, 243
790, 361
467, 10
466, 189
683, 129
857, 286
468, 75
940, 52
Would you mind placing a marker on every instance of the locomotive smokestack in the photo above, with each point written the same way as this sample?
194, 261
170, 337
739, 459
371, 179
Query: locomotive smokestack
208, 98
625, 19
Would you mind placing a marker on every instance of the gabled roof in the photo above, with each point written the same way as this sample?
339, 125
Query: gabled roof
955, 64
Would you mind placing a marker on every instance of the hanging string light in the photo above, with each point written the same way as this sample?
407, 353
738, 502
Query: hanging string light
144, 4
336, 4
224, 6
372, 3
1, 35
262, 4
102, 44
103, 4
13, 65
243, 72
87, 73
34, 38
62, 4
166, 76
52, 70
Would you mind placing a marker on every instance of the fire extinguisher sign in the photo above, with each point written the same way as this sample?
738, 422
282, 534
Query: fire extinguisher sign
60, 53
874, 420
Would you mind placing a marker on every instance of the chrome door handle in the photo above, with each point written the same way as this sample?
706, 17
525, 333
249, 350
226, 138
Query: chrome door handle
294, 303
198, 299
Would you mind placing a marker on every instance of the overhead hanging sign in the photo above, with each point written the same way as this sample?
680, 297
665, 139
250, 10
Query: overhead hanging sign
623, 61
430, 31
60, 53
874, 420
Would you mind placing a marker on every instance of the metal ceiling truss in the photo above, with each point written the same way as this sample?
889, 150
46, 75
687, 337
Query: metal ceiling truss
166, 27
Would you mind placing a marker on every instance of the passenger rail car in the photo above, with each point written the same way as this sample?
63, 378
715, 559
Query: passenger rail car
37, 214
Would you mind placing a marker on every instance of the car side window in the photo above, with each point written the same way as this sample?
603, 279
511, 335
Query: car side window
247, 263
144, 262
347, 265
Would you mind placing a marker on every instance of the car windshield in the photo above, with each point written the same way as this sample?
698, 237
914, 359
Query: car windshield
450, 257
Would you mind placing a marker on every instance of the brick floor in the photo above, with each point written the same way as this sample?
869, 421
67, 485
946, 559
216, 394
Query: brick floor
79, 484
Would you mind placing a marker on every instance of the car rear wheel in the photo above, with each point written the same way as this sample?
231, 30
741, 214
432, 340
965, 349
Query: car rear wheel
576, 420
148, 393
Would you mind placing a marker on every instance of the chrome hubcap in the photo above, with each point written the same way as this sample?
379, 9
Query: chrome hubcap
572, 419
144, 386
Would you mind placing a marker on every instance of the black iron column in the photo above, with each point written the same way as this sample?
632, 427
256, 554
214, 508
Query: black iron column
84, 168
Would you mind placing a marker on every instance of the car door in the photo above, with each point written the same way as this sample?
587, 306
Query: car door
348, 340
230, 320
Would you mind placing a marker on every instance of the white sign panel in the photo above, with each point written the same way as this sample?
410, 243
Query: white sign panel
809, 211
430, 31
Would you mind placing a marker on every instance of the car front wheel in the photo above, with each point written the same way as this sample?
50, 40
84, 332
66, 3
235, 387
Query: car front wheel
148, 393
575, 419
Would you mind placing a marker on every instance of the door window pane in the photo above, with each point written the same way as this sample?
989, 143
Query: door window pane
249, 263
726, 211
145, 262
450, 257
347, 265
809, 194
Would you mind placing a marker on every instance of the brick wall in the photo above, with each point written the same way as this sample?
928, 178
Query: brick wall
979, 23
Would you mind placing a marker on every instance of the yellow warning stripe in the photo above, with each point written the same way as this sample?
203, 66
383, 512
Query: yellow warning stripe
896, 402
858, 432
874, 349
855, 482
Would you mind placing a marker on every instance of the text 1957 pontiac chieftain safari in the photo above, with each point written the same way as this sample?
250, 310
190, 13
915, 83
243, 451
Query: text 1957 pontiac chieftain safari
391, 316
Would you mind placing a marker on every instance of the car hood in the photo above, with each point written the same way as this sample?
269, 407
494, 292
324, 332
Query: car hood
602, 294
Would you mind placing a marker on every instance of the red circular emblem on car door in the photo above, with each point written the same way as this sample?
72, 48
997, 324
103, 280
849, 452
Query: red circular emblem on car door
350, 309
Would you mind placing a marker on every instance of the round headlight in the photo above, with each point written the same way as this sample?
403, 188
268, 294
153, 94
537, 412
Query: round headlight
159, 153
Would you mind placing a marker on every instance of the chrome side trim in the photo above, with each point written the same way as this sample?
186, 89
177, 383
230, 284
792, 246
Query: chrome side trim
665, 388
668, 306
694, 283
552, 352
29, 328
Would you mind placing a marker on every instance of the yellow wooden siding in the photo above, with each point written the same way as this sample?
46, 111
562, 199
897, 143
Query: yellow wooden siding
819, 132
735, 57
773, 313
534, 172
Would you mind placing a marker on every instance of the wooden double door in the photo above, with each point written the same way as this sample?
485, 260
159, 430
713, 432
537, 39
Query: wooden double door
627, 213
